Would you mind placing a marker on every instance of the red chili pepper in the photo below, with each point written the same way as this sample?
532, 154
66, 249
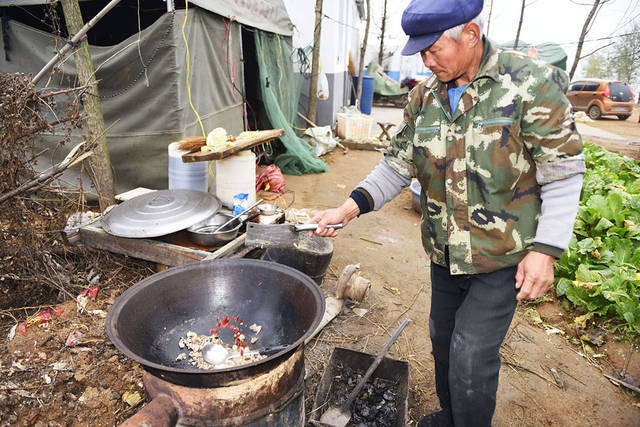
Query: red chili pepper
225, 322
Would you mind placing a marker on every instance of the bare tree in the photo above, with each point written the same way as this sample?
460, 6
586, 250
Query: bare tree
624, 59
489, 18
363, 50
515, 44
101, 173
384, 21
315, 64
588, 23
595, 66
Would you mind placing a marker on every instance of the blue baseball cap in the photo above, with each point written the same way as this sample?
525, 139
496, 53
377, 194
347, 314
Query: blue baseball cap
424, 21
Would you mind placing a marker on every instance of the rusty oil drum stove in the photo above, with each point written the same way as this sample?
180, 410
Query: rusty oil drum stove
146, 322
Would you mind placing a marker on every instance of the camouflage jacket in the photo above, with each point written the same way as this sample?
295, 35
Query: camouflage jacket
481, 167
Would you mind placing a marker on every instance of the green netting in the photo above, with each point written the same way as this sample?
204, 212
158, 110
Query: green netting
280, 89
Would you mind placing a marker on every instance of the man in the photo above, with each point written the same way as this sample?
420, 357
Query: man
491, 140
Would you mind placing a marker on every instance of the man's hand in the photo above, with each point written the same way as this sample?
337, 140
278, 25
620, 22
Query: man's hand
534, 275
342, 214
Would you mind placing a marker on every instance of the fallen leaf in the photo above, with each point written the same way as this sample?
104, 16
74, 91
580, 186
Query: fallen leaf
131, 398
360, 311
533, 316
19, 366
61, 366
99, 313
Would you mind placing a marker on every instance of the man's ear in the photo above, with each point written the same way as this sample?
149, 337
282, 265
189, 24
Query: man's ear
471, 34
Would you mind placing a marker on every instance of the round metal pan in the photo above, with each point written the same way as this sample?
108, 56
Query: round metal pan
148, 319
159, 213
204, 232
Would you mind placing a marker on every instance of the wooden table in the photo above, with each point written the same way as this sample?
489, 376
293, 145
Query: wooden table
262, 137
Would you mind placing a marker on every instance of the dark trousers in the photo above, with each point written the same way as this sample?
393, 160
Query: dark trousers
470, 315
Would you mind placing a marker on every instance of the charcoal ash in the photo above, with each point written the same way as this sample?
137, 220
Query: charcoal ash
375, 405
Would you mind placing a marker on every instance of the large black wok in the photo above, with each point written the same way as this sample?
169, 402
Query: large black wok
146, 321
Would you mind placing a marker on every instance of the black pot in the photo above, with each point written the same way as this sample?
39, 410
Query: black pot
147, 320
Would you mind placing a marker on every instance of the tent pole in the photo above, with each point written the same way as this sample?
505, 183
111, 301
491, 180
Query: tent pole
68, 46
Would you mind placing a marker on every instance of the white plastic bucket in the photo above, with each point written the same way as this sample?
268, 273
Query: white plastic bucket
233, 175
186, 176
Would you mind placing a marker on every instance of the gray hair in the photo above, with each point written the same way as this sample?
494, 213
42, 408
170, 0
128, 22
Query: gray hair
455, 32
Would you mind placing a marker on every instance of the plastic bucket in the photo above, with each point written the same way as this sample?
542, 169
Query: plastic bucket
233, 175
185, 176
367, 93
395, 75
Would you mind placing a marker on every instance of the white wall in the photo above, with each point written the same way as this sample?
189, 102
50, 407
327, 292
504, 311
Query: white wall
339, 36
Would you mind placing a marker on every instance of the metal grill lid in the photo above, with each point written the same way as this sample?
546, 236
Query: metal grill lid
159, 213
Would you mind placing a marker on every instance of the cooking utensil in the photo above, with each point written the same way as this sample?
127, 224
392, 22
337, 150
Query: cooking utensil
148, 319
160, 212
268, 209
339, 416
216, 354
239, 215
204, 233
279, 235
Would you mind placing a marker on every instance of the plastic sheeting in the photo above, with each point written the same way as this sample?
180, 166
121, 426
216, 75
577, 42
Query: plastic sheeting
144, 112
550, 53
268, 15
383, 84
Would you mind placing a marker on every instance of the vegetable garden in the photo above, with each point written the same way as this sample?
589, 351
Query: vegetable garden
600, 273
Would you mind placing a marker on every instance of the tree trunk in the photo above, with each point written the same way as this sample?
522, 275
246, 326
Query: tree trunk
583, 34
384, 21
315, 64
100, 164
489, 19
363, 50
515, 44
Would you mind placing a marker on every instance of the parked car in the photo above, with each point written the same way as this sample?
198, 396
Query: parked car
601, 98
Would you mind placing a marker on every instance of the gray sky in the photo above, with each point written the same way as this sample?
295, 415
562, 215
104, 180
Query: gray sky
558, 21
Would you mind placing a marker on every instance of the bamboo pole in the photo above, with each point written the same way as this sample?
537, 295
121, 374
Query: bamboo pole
101, 174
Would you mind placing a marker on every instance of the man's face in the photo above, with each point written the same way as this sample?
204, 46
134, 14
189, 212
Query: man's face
446, 58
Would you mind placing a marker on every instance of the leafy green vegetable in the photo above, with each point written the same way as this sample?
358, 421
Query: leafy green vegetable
600, 273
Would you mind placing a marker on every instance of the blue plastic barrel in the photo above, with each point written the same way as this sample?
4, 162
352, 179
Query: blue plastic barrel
395, 75
367, 93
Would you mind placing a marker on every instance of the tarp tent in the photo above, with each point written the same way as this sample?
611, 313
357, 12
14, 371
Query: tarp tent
143, 84
550, 53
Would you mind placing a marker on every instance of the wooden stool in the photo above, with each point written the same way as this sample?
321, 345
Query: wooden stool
385, 126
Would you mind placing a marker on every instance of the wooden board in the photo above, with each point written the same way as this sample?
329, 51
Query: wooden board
365, 145
147, 249
263, 137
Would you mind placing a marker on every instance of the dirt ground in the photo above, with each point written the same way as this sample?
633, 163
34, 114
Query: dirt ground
47, 383
629, 129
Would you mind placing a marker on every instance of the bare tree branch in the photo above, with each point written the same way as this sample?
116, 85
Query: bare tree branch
71, 159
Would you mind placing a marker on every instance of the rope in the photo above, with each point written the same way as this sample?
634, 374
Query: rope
184, 37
